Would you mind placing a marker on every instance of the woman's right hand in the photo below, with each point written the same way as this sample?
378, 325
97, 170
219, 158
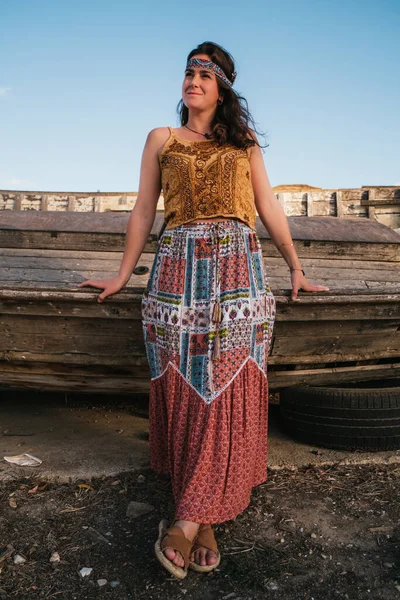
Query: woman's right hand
110, 286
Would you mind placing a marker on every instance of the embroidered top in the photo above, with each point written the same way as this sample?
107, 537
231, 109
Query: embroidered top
203, 179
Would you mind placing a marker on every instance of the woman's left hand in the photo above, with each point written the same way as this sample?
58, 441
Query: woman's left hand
300, 282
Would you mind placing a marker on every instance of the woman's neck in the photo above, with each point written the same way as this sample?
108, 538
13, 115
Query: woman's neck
201, 123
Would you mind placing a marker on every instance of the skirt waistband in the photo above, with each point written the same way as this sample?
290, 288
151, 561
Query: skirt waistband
211, 225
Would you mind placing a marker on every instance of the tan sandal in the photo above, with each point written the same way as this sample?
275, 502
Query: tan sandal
205, 539
173, 537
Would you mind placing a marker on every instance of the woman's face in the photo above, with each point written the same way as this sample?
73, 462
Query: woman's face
200, 87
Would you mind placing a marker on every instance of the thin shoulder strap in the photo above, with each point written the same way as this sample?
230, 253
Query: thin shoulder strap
171, 133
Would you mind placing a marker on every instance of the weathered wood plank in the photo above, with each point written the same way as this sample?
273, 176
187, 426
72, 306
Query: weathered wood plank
63, 275
377, 285
111, 384
128, 295
383, 327
326, 270
115, 309
98, 263
381, 202
116, 242
61, 253
19, 270
78, 344
124, 384
384, 193
134, 284
327, 360
74, 325
100, 326
277, 283
347, 310
27, 358
85, 256
83, 354
334, 375
302, 228
70, 280
365, 346
82, 363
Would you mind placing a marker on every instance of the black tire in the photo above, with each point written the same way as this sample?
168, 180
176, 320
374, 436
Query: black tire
342, 418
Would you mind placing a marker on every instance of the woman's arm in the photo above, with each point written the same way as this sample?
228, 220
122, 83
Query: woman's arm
143, 213
274, 220
141, 218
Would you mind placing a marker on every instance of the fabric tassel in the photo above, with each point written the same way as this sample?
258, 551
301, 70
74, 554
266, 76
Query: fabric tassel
217, 312
217, 347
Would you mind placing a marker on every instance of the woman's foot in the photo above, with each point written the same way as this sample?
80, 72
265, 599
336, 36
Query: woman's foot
203, 556
190, 530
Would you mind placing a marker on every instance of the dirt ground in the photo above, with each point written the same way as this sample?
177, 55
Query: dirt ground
312, 533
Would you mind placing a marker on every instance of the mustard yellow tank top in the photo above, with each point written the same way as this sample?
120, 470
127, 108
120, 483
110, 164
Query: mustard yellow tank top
203, 179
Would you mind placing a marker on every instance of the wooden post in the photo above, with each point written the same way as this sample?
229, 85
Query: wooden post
339, 204
18, 202
71, 203
98, 204
310, 206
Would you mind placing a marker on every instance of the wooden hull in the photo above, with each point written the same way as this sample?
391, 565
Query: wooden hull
55, 336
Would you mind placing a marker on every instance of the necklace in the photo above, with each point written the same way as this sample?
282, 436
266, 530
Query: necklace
206, 135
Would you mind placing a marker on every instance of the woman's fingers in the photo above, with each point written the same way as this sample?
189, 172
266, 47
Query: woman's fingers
97, 284
107, 292
310, 287
305, 286
110, 286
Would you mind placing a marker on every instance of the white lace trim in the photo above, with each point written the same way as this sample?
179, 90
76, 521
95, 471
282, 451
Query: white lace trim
208, 400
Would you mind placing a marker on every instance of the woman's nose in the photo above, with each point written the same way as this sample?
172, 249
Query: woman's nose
195, 79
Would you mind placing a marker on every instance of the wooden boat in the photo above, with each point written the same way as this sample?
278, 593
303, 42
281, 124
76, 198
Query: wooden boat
55, 336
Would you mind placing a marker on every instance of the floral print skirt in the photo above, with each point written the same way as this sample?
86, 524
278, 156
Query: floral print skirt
208, 315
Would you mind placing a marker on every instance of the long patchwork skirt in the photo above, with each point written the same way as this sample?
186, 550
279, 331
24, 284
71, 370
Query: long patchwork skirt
208, 315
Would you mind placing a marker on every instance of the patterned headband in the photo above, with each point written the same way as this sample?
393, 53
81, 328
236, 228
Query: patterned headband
211, 66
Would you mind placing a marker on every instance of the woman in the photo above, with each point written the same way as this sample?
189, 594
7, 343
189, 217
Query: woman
208, 310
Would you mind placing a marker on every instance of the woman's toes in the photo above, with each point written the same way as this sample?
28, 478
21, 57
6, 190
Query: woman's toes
206, 557
170, 554
202, 557
174, 556
178, 560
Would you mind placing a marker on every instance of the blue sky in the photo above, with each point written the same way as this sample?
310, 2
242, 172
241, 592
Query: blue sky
82, 83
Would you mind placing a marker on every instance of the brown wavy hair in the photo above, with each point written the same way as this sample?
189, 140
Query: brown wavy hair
232, 120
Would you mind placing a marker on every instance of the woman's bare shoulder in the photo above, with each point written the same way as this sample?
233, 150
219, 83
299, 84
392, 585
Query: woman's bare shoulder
157, 138
159, 134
